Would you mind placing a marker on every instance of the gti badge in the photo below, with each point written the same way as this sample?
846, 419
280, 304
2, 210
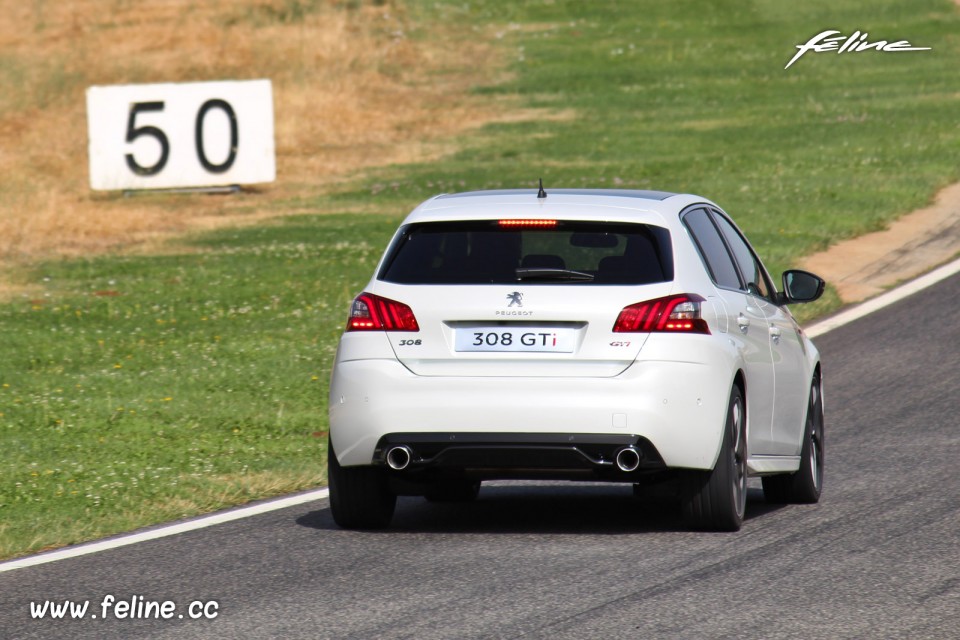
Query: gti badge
515, 298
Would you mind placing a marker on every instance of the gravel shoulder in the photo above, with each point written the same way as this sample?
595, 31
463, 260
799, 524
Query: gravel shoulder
863, 267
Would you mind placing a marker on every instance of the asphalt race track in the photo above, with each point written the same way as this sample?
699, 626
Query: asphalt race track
879, 557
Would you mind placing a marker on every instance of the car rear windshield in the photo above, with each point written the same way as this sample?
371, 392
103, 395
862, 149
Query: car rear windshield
547, 252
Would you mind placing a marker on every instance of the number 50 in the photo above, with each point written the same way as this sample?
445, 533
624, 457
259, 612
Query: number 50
134, 132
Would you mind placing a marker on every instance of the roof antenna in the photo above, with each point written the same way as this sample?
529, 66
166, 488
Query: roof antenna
541, 194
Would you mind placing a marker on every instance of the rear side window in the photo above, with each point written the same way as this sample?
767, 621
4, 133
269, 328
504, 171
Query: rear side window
560, 252
712, 248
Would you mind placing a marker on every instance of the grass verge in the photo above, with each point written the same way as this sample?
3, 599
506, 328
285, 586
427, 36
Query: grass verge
144, 389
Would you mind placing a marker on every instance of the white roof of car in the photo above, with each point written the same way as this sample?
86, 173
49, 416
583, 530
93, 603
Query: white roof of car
624, 205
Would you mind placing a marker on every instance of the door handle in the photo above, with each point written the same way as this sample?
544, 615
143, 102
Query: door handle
743, 322
775, 334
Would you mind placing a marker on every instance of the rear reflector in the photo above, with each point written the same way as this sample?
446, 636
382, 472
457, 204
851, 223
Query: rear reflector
373, 313
542, 224
674, 314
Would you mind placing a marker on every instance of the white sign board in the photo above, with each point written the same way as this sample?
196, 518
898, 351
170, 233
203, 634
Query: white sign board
198, 134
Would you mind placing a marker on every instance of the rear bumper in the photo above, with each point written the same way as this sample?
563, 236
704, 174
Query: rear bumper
489, 456
678, 408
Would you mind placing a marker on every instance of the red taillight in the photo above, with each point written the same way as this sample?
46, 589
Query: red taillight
528, 224
676, 314
373, 313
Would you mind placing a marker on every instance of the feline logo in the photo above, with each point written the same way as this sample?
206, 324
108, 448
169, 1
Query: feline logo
831, 39
515, 298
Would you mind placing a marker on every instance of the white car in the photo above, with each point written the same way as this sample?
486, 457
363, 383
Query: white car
606, 335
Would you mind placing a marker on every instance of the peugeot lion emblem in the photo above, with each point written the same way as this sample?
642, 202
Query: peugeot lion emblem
515, 298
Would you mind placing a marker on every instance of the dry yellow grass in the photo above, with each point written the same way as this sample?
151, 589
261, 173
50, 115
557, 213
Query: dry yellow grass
352, 90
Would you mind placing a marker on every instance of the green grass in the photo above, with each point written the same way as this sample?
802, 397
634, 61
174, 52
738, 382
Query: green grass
692, 96
136, 390
142, 389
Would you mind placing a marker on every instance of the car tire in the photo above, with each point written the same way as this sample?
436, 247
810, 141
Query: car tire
806, 484
453, 491
359, 496
716, 500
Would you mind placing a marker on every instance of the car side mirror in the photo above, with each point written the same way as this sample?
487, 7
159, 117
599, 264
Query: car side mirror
801, 286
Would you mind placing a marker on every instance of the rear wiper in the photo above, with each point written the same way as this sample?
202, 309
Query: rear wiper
538, 273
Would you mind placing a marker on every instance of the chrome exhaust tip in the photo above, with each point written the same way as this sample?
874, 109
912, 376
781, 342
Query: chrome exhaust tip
628, 459
399, 457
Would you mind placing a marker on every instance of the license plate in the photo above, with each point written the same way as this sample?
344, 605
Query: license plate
551, 340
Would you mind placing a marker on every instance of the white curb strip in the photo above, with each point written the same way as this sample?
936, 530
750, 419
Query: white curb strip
884, 300
164, 531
